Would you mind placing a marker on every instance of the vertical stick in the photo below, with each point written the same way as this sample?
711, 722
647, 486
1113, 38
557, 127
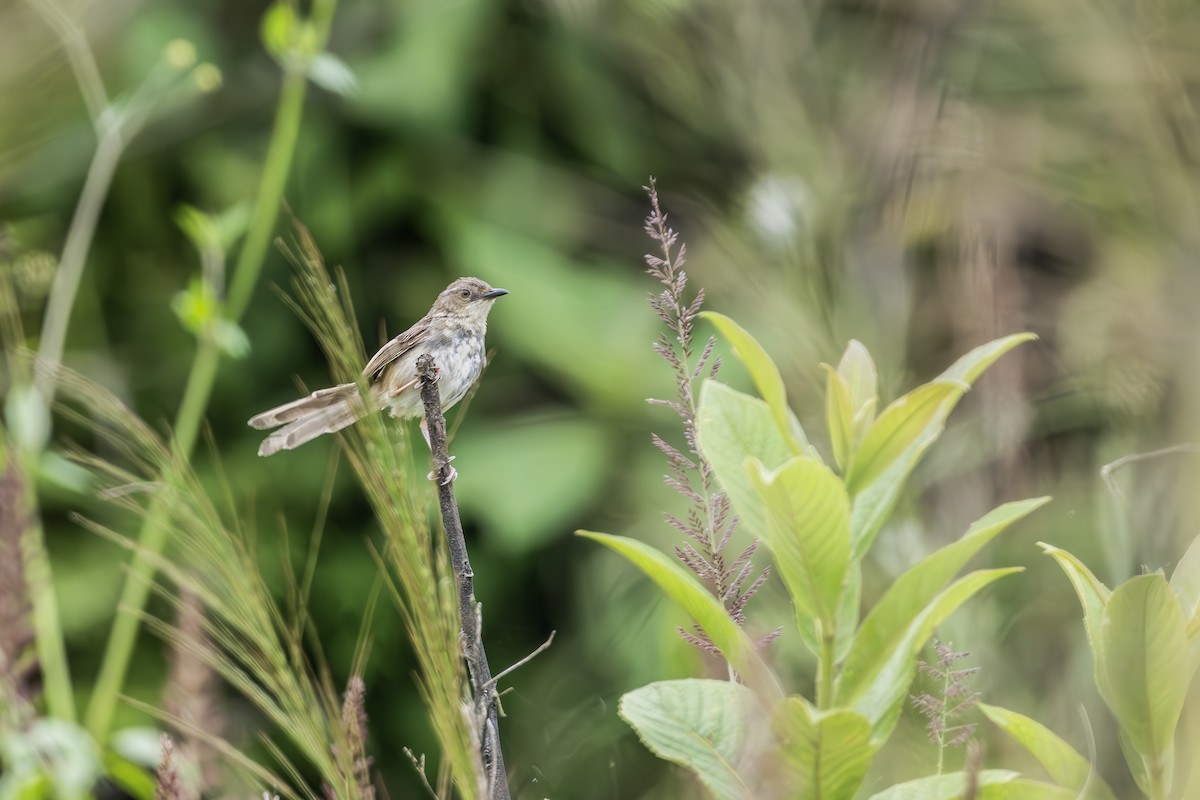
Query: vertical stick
470, 636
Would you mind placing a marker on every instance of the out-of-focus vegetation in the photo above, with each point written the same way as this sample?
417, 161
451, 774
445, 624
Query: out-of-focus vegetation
923, 176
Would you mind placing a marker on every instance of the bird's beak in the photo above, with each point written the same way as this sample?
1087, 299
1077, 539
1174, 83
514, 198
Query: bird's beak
493, 294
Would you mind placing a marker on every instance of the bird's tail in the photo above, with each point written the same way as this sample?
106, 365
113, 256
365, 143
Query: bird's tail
303, 420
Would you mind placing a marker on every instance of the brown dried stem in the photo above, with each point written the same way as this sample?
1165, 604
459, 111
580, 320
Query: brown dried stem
485, 701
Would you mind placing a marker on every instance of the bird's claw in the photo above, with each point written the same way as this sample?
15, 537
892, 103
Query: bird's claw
451, 473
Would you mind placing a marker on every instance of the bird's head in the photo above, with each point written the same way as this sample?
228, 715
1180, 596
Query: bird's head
467, 297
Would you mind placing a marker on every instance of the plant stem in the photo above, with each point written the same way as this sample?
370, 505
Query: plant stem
74, 257
270, 193
471, 637
205, 364
151, 540
825, 672
39, 583
945, 716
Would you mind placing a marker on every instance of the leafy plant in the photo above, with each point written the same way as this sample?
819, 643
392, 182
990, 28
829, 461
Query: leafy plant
1145, 641
818, 522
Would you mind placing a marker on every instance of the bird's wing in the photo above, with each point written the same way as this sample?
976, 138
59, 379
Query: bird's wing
395, 349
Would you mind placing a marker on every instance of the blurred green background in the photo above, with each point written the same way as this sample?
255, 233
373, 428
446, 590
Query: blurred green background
922, 175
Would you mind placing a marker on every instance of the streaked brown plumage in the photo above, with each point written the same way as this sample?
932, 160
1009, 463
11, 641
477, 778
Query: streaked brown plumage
452, 333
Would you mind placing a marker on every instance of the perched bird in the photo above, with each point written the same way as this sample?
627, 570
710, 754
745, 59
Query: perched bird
452, 333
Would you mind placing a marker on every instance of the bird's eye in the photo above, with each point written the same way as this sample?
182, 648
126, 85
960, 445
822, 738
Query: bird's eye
465, 292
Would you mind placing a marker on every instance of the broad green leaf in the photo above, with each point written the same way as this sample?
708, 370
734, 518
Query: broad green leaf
827, 754
904, 425
1146, 663
1065, 766
808, 532
707, 726
944, 787
871, 507
839, 416
730, 427
1185, 581
765, 375
857, 369
849, 611
683, 587
1025, 789
877, 688
1093, 597
875, 499
968, 368
1137, 764
886, 627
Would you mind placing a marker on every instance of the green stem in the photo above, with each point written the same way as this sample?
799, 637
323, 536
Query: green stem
945, 717
74, 257
825, 672
51, 649
270, 193
151, 540
153, 536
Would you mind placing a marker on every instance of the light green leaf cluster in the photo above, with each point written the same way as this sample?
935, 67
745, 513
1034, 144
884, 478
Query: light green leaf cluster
1145, 640
818, 524
295, 43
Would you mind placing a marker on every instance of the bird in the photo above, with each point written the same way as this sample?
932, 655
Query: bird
452, 333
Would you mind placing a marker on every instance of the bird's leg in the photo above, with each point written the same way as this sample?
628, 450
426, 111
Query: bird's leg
453, 473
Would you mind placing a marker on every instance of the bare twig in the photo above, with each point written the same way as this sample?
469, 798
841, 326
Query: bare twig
419, 766
541, 648
485, 702
1106, 472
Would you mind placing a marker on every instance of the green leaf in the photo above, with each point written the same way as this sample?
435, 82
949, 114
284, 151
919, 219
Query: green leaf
886, 631
857, 370
197, 306
1135, 761
332, 74
877, 687
808, 532
911, 422
230, 337
28, 418
875, 499
707, 726
197, 226
1146, 668
1185, 580
730, 427
766, 378
849, 611
827, 754
1025, 789
950, 786
839, 416
1093, 596
280, 29
968, 368
683, 587
1065, 766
